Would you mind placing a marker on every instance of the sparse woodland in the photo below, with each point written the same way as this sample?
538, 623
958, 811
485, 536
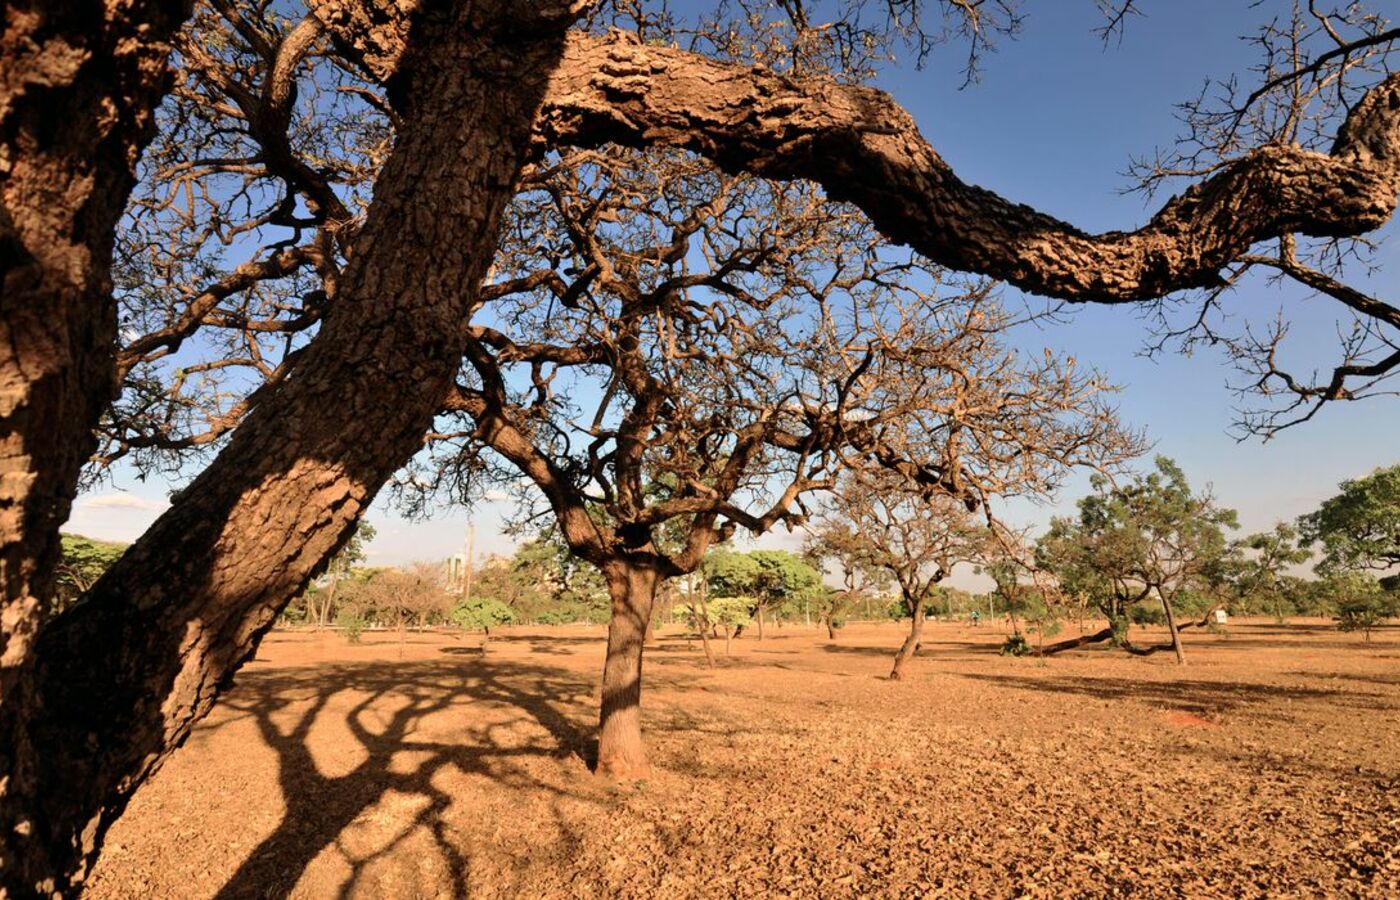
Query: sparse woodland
669, 278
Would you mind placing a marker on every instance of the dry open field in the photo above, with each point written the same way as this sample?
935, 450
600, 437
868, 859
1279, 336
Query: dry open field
1269, 765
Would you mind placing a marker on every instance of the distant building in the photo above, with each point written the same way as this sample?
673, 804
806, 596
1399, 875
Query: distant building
455, 570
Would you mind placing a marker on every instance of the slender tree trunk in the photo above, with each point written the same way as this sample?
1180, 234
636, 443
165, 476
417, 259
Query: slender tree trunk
1171, 627
830, 627
1083, 640
330, 596
704, 630
910, 645
632, 589
760, 621
121, 678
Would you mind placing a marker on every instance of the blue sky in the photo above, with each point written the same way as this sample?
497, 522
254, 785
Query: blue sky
1053, 122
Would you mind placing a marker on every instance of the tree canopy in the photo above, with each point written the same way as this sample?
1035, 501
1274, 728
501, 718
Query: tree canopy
1359, 528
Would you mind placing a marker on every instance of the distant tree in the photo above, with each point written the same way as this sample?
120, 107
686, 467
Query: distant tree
83, 561
916, 537
728, 614
350, 555
546, 582
481, 614
1150, 536
1361, 602
775, 581
1262, 568
836, 542
400, 598
1359, 528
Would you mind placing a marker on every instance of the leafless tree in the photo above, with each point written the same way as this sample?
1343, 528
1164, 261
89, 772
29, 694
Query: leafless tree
669, 353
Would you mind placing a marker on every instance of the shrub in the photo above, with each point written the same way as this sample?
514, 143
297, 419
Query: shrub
352, 622
1016, 645
481, 614
1141, 614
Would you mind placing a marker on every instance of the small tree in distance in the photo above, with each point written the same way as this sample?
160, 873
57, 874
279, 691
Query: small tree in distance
1359, 528
916, 538
836, 541
481, 614
1150, 536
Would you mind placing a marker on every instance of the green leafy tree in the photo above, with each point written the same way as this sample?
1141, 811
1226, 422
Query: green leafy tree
774, 581
83, 562
481, 614
1361, 601
1262, 565
1359, 528
728, 614
1150, 536
339, 567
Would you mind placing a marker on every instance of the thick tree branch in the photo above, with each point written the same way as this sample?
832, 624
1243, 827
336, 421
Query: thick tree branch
865, 149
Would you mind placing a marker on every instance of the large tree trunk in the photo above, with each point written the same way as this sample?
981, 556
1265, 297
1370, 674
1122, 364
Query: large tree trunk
632, 589
79, 83
911, 643
122, 677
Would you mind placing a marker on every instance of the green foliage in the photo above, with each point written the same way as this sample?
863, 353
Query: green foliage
1359, 528
545, 582
1262, 561
1152, 534
481, 614
1364, 613
1147, 614
83, 562
772, 579
353, 553
1361, 602
351, 621
725, 612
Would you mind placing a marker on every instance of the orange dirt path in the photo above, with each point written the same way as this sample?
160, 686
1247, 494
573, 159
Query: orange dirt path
1270, 765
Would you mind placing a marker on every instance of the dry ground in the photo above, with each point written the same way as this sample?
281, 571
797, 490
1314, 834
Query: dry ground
1269, 765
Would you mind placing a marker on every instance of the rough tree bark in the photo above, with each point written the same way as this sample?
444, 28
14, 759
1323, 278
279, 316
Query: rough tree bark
865, 149
79, 83
632, 589
119, 680
911, 641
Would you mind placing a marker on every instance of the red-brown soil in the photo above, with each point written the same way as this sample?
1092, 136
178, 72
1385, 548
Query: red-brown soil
1270, 765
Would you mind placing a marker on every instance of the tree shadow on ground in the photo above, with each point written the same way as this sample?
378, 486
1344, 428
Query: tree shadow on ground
392, 701
1190, 696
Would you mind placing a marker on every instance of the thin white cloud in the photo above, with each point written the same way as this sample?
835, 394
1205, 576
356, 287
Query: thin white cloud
122, 500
